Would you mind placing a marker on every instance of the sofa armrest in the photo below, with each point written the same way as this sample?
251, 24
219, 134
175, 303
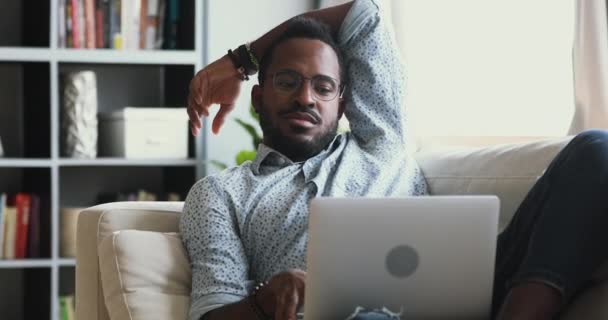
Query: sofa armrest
508, 171
99, 221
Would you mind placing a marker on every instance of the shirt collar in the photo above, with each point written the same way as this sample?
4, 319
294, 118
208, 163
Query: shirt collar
268, 156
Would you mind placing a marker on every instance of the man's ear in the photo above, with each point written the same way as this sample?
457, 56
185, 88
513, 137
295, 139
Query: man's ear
256, 97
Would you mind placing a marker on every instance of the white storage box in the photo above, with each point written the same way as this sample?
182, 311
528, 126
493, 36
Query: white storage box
144, 133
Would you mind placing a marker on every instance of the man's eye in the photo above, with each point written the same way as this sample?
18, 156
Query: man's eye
323, 90
286, 84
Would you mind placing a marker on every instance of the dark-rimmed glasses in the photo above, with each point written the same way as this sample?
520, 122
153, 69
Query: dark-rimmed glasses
324, 88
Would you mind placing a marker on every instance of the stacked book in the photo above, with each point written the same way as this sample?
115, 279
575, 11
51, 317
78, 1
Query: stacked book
19, 226
118, 24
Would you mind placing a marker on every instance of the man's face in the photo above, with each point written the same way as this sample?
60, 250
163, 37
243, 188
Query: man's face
294, 115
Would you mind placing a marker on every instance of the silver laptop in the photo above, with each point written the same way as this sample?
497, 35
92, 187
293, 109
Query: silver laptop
428, 257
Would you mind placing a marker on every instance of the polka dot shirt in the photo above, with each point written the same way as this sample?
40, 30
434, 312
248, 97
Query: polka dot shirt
248, 223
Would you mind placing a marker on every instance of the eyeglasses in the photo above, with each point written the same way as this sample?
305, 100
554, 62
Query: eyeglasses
323, 87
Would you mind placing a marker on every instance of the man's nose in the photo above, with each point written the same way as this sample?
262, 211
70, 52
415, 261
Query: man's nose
304, 95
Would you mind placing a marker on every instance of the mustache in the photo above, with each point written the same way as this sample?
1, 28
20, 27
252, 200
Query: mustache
297, 108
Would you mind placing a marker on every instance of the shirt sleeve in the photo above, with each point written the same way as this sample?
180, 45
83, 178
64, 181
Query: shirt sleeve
217, 257
375, 93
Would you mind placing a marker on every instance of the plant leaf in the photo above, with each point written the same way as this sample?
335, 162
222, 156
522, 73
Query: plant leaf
253, 132
218, 164
245, 155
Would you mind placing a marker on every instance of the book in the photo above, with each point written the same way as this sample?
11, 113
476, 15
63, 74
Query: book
34, 228
2, 209
82, 35
22, 204
160, 29
62, 24
171, 24
89, 23
130, 18
74, 25
10, 226
149, 23
99, 36
115, 24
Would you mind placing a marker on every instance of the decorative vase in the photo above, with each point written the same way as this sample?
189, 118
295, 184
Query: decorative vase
79, 115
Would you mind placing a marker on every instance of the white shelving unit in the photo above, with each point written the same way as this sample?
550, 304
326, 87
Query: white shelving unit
31, 65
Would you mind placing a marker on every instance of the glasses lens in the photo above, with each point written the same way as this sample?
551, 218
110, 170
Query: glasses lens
325, 88
286, 81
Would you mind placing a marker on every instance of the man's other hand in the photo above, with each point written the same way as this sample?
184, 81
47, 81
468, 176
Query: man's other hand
217, 83
284, 294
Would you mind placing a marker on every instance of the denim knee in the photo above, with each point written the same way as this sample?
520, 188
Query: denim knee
590, 150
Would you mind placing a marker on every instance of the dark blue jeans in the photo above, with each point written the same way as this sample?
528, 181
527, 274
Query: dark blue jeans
559, 233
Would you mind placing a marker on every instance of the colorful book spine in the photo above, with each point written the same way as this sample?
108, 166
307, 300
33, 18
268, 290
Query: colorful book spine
107, 13
23, 205
10, 226
2, 213
68, 25
171, 24
62, 24
115, 24
82, 24
89, 22
75, 8
99, 13
34, 228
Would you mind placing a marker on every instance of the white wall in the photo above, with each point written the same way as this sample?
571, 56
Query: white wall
230, 24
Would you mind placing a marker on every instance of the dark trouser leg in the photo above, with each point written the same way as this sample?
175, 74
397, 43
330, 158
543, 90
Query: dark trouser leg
559, 234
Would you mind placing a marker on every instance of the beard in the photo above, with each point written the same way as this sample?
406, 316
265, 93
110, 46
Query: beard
295, 149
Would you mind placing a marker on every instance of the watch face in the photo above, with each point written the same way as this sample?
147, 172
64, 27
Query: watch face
402, 261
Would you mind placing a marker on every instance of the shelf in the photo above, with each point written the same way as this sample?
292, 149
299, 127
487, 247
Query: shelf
26, 263
25, 54
101, 56
120, 162
24, 163
67, 262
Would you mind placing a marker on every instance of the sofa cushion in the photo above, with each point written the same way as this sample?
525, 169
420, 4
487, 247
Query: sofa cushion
508, 171
145, 275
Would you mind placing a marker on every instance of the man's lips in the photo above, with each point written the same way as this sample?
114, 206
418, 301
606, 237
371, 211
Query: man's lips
305, 116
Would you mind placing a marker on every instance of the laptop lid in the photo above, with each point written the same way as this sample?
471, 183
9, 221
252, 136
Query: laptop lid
430, 257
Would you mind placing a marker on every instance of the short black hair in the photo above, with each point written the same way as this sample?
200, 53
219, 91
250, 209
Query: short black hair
302, 27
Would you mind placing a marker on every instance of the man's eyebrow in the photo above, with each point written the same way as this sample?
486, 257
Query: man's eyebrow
316, 75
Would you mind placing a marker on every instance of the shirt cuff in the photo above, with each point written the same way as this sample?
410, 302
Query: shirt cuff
355, 19
210, 302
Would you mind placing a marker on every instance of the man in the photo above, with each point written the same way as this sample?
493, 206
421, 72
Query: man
247, 226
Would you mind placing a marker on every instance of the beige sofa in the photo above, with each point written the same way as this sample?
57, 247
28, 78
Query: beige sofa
125, 274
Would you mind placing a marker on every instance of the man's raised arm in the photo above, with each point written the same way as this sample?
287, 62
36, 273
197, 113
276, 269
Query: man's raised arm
219, 82
375, 100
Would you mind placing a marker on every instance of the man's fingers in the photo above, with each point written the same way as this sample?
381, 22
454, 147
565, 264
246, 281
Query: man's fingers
195, 90
220, 117
291, 306
278, 308
195, 118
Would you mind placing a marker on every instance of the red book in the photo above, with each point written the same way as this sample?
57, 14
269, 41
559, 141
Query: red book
34, 230
75, 25
99, 25
23, 204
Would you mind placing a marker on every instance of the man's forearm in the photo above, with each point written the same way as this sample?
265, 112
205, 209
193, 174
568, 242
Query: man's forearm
332, 16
